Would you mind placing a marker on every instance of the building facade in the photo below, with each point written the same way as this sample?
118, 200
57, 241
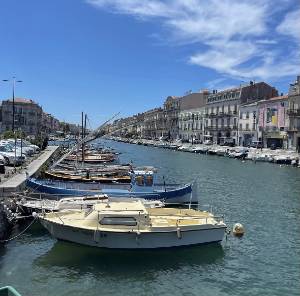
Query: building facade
27, 118
191, 117
294, 114
222, 110
50, 123
154, 124
273, 122
248, 119
171, 110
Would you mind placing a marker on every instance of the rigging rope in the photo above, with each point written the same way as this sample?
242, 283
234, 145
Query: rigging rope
19, 234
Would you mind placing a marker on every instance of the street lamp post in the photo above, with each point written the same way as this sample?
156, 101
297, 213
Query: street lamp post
14, 81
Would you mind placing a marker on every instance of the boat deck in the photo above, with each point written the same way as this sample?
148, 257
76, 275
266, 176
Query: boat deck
159, 218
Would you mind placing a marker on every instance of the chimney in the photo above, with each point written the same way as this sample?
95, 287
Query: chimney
251, 82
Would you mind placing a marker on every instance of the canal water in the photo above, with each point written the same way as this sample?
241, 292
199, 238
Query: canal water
264, 197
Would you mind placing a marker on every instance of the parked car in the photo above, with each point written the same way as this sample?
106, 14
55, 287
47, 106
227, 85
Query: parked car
28, 144
10, 157
25, 148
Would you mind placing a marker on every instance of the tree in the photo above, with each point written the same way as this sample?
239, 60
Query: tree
9, 134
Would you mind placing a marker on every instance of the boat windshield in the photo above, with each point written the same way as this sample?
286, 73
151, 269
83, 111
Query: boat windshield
127, 221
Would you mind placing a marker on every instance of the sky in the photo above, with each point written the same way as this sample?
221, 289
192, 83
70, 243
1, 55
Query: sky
107, 56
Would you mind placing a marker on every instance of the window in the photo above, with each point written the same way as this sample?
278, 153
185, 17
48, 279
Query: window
247, 115
127, 221
247, 126
241, 127
241, 115
235, 109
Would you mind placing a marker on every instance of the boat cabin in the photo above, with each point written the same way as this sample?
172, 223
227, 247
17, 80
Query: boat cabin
120, 214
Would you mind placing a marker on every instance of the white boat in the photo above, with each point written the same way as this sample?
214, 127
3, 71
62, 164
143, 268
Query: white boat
221, 151
130, 225
185, 147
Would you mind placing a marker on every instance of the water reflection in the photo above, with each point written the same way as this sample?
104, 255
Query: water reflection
83, 259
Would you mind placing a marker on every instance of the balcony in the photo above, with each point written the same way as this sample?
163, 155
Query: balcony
212, 128
293, 112
220, 114
294, 129
210, 115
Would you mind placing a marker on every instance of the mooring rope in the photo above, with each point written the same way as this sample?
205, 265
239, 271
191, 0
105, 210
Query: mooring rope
19, 234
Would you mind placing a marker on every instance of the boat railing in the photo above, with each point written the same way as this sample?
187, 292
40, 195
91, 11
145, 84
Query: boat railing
40, 196
217, 218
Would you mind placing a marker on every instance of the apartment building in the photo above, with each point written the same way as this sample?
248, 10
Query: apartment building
27, 116
222, 109
248, 119
171, 111
273, 122
294, 114
191, 116
154, 124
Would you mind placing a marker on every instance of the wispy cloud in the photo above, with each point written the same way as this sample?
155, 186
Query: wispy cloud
290, 26
231, 37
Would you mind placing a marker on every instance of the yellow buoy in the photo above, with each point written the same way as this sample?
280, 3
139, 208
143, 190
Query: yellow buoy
238, 229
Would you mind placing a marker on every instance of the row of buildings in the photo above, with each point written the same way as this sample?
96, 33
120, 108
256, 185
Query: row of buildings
29, 118
246, 114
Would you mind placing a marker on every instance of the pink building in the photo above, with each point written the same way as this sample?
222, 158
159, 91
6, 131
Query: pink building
273, 121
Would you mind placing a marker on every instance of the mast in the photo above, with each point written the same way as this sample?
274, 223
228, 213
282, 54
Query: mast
82, 137
84, 129
92, 136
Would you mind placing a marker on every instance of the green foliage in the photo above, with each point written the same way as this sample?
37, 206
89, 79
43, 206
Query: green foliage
65, 127
10, 135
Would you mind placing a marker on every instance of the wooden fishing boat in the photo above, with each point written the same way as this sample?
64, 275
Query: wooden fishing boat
103, 174
169, 193
100, 158
68, 166
130, 225
88, 177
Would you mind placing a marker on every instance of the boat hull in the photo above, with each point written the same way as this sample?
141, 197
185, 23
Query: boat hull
176, 195
132, 240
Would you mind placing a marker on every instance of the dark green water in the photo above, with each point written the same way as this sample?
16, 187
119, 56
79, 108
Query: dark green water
266, 261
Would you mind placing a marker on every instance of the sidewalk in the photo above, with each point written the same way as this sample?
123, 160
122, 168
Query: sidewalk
17, 181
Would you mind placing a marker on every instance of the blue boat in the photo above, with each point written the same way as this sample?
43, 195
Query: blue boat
169, 193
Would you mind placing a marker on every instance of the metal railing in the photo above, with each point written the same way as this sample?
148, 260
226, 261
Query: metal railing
293, 112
